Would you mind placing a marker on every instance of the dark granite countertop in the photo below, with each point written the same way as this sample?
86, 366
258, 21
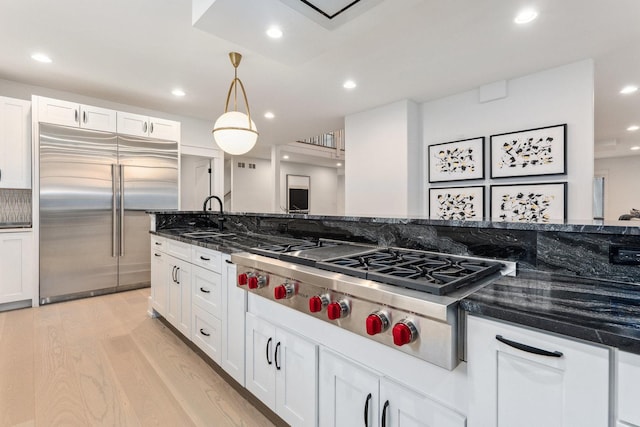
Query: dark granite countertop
596, 311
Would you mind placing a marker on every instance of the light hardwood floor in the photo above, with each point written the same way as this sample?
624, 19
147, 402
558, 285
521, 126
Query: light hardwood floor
103, 361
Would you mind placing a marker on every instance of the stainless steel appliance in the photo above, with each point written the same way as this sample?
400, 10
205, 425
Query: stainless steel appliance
402, 298
94, 190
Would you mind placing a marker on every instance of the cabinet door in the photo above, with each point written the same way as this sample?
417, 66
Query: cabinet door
58, 112
97, 118
15, 143
159, 282
178, 275
206, 290
132, 124
234, 307
510, 386
628, 389
261, 379
16, 283
296, 363
164, 129
207, 332
402, 407
347, 393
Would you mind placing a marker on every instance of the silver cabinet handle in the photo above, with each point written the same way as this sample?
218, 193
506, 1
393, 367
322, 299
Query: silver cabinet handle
121, 210
144, 127
0, 174
151, 128
114, 219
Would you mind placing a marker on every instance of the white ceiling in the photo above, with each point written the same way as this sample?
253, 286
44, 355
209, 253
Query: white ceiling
136, 51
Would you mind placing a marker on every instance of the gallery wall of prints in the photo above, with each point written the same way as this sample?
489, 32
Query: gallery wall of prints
536, 157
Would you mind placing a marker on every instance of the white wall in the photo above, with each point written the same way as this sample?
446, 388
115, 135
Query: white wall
381, 165
323, 187
555, 96
622, 175
251, 189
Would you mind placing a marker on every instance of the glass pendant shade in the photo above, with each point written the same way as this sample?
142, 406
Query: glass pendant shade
232, 133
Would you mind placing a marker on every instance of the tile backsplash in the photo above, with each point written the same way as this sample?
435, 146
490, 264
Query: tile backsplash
15, 206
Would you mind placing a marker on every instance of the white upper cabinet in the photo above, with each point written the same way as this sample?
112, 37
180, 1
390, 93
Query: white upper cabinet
139, 125
15, 143
72, 114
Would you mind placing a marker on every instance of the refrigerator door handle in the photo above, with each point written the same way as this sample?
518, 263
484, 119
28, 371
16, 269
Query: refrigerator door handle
121, 210
114, 218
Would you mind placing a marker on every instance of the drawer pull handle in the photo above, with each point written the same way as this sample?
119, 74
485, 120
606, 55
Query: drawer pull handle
158, 244
205, 291
204, 333
228, 261
528, 348
157, 255
205, 258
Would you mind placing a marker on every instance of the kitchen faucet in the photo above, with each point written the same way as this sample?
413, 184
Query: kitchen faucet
220, 217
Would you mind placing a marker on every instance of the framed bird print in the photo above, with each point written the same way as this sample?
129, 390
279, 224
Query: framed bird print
543, 203
457, 160
457, 203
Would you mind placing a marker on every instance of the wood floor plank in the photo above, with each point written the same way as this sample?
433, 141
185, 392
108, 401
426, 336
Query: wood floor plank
16, 368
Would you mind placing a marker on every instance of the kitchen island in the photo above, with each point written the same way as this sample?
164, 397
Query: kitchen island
566, 302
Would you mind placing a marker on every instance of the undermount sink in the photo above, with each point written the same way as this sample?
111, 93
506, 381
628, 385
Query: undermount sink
206, 234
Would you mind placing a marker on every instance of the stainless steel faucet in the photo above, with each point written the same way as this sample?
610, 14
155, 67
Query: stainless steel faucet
221, 216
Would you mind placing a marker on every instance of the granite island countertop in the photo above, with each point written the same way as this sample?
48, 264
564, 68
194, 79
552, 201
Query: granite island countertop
595, 311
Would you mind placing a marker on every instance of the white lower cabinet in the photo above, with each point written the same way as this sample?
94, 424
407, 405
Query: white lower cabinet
628, 389
234, 307
16, 277
519, 377
282, 370
207, 332
159, 284
353, 395
178, 275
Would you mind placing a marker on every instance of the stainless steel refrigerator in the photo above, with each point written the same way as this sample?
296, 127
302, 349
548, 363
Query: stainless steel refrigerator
94, 190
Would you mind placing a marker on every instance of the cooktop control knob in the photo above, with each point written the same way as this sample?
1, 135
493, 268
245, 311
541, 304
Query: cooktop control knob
317, 303
338, 309
286, 290
258, 281
377, 322
243, 279
404, 332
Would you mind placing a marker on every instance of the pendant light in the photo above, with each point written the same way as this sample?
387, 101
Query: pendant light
234, 131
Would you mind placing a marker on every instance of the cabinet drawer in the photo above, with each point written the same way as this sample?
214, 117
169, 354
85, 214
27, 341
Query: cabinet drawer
158, 244
206, 290
178, 249
206, 258
628, 388
207, 333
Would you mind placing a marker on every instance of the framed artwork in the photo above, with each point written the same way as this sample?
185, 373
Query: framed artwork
541, 151
457, 203
543, 203
298, 193
457, 160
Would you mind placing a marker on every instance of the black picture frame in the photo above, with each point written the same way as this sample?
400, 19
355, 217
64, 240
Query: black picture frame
461, 160
457, 203
540, 202
531, 152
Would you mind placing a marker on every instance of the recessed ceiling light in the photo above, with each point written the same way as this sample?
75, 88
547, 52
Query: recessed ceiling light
349, 84
635, 148
285, 157
338, 164
628, 89
178, 92
41, 57
525, 16
269, 115
633, 128
274, 32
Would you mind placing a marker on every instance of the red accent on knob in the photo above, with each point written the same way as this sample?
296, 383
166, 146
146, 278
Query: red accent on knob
334, 311
315, 304
253, 282
242, 279
401, 334
280, 292
374, 324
